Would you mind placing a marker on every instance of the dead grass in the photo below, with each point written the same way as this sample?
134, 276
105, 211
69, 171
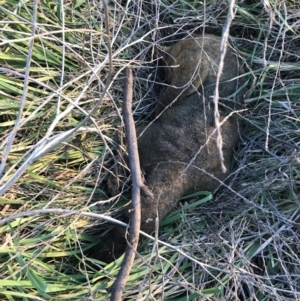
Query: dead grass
243, 244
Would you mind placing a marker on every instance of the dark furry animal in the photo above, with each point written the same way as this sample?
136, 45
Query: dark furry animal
178, 151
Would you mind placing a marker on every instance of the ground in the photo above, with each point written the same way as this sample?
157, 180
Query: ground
240, 244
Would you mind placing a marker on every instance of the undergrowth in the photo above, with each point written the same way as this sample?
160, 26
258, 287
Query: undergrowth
240, 244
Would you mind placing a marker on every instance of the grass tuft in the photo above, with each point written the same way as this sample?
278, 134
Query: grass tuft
241, 244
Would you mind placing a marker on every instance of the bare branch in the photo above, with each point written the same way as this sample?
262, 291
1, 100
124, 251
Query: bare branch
137, 185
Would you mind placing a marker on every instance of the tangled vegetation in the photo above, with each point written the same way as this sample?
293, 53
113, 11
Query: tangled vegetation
60, 122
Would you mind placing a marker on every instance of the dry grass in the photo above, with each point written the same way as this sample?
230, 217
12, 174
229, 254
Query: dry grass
243, 244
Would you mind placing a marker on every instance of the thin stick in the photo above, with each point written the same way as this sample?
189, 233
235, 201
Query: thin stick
225, 35
134, 162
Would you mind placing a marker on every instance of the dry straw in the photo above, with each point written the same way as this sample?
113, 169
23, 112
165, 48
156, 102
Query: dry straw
241, 244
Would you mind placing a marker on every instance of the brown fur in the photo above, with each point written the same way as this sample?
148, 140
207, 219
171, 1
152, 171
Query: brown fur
178, 151
192, 64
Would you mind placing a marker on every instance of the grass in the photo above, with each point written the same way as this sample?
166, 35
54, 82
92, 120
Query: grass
242, 244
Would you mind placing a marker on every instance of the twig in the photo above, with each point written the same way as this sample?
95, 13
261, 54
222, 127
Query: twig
67, 212
137, 184
225, 34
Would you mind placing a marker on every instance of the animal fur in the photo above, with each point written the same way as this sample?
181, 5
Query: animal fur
178, 151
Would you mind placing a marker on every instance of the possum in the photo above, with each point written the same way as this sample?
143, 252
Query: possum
178, 150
